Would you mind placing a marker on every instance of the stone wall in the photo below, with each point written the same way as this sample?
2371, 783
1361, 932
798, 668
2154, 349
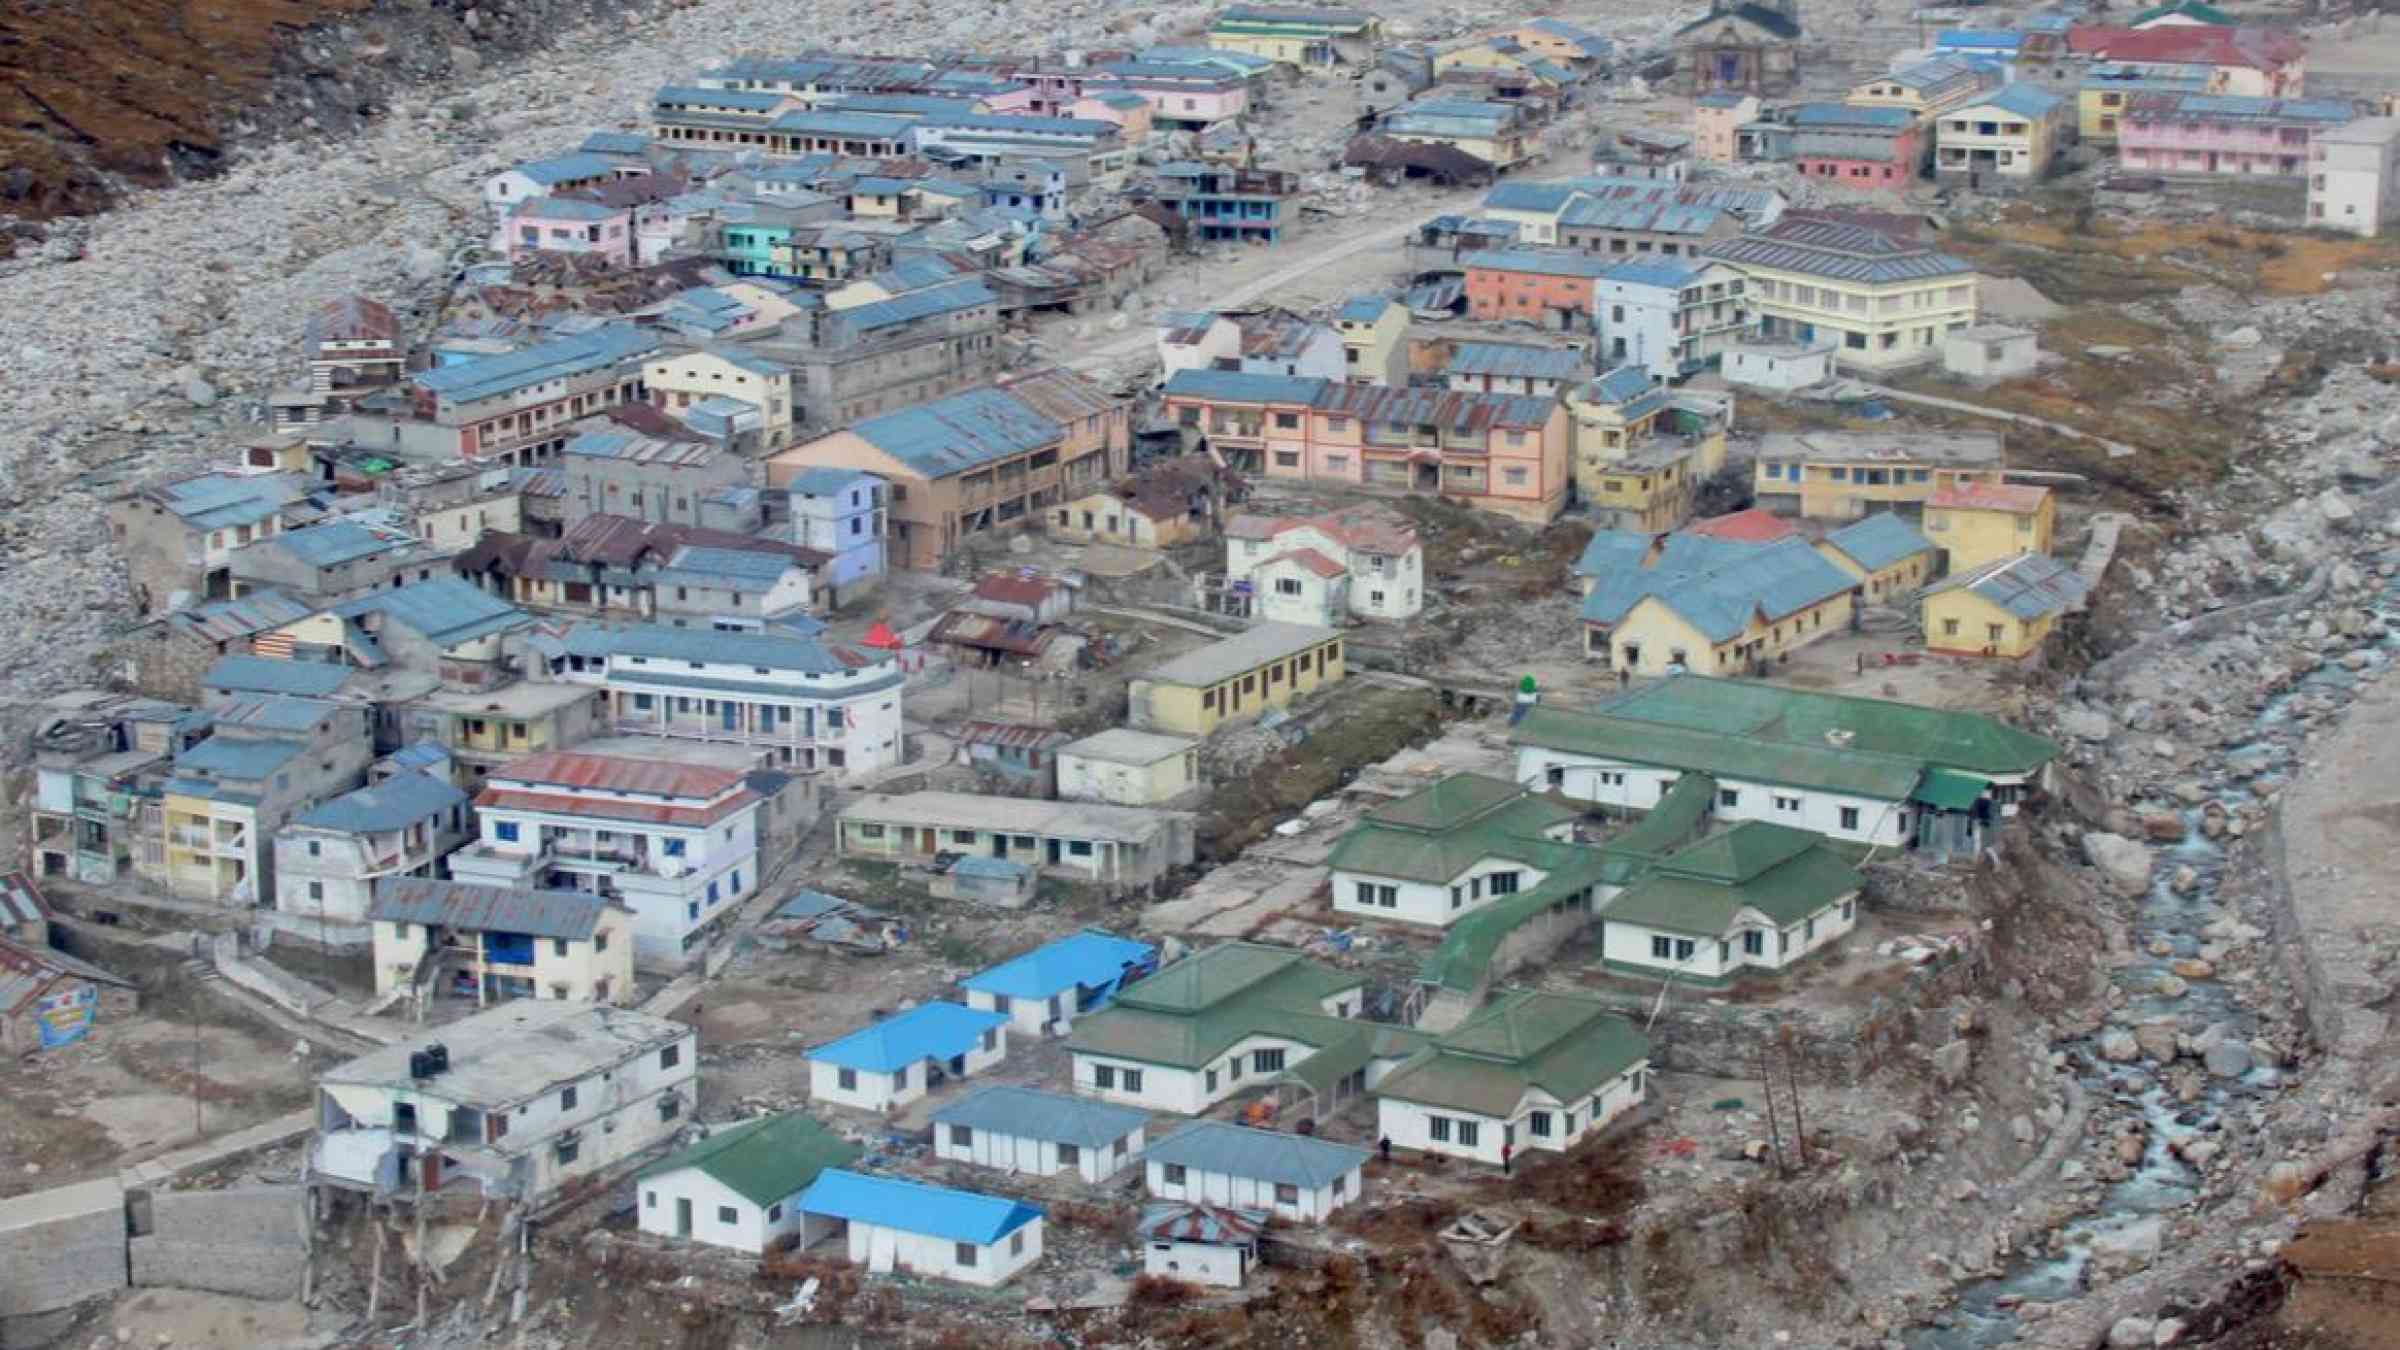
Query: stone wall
246, 1241
59, 1247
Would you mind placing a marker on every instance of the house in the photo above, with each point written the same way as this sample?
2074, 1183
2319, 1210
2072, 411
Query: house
2244, 62
1019, 759
1199, 1243
1867, 771
1856, 145
2105, 90
1779, 367
1256, 342
1514, 368
1443, 851
523, 1100
895, 1061
1227, 202
1165, 503
1287, 1175
1978, 523
100, 765
1991, 351
1558, 40
1115, 845
740, 1185
1644, 152
1532, 1071
571, 226
840, 513
1497, 136
1042, 991
2015, 134
678, 380
894, 1225
352, 344
676, 843
509, 407
1670, 315
177, 538
1629, 217
1309, 37
49, 999
615, 472
1927, 88
1019, 1130
269, 758
1180, 95
2354, 176
2224, 134
1887, 301
1883, 553
1757, 896
329, 858
1656, 606
1550, 288
1267, 667
1748, 525
170, 653
1374, 333
2006, 607
1741, 46
492, 943
1715, 118
1642, 450
1125, 767
1323, 569
333, 561
544, 177
24, 912
1842, 475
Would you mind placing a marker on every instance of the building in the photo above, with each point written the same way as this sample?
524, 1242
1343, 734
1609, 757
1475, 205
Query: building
739, 1186
1779, 367
1043, 991
1549, 288
178, 538
1495, 136
1012, 757
840, 513
612, 471
2244, 62
1125, 767
1374, 333
1442, 852
1024, 1132
1715, 118
2354, 176
2015, 134
1889, 302
1308, 37
1979, 523
575, 227
1884, 554
1741, 46
2224, 134
2006, 608
1927, 88
521, 1100
1267, 341
1165, 503
100, 764
24, 911
1227, 202
1532, 1071
1629, 217
269, 758
1642, 451
1199, 1244
1672, 316
352, 343
1110, 845
895, 1061
511, 407
49, 999
330, 857
1287, 1175
1514, 368
676, 843
170, 653
678, 381
1991, 351
1858, 146
1267, 667
1843, 475
1684, 602
893, 1225
2105, 89
493, 943
1866, 771
685, 576
1757, 896
1325, 569
333, 561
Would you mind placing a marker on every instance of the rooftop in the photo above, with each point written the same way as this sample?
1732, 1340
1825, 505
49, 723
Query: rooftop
514, 1053
239, 673
393, 804
1718, 586
1025, 1113
913, 1207
1561, 1044
2020, 499
964, 431
764, 1161
1086, 960
1879, 540
1014, 815
1124, 745
1781, 873
617, 774
1219, 661
928, 1031
1513, 360
569, 915
1752, 526
1258, 1155
1968, 449
1836, 250
1771, 714
2027, 585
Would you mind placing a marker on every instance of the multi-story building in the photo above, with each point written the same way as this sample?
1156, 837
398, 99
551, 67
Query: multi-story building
2224, 134
899, 353
1109, 845
1979, 522
2354, 176
1741, 46
1498, 135
336, 560
1515, 368
1642, 451
1889, 301
612, 471
1927, 88
1268, 341
1183, 95
1309, 37
492, 944
1550, 288
1842, 476
2014, 134
839, 512
352, 343
100, 766
328, 858
1671, 316
2247, 62
1269, 667
178, 538
513, 407
2104, 91
1858, 146
269, 758
543, 177
571, 226
1224, 202
1374, 333
1368, 560
674, 842
1715, 119
679, 380
609, 566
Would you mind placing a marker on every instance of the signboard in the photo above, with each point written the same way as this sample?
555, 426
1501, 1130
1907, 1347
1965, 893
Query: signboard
67, 1017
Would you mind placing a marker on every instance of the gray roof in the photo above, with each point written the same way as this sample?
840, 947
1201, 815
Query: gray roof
1235, 655
395, 803
1513, 360
21, 901
523, 1049
1028, 1114
805, 655
2027, 585
1260, 1155
267, 675
1837, 250
220, 757
335, 542
444, 610
499, 909
1879, 540
1124, 745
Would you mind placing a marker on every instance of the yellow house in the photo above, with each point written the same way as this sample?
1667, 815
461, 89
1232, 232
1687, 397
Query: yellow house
1711, 606
1264, 668
1883, 553
1505, 55
1828, 475
684, 378
1309, 37
2005, 608
1976, 523
508, 943
1887, 302
1374, 331
211, 847
1640, 452
2107, 91
1926, 87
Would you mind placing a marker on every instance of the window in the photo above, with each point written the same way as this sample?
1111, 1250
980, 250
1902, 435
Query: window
1729, 797
1784, 803
1133, 1080
505, 831
1069, 1155
1286, 1193
846, 1079
1469, 1133
1016, 1243
1849, 817
966, 1253
670, 1057
1538, 1124
1438, 1128
566, 1099
962, 1136
1287, 585
1103, 1076
316, 889
569, 1149
1267, 1061
1503, 883
991, 1038
774, 1213
1287, 421
1949, 628
1174, 1174
728, 1214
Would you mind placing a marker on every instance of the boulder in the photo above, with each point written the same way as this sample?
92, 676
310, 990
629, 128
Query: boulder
2284, 1183
2130, 1332
2227, 1059
199, 392
2164, 827
1950, 1061
465, 60
2157, 1040
2118, 1046
2084, 724
2336, 508
2186, 880
2124, 862
2168, 1332
2172, 986
2131, 1247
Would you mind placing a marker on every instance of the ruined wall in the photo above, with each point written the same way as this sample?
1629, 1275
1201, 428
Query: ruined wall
246, 1241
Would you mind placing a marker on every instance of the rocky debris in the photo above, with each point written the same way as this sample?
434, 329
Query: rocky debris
2125, 863
2118, 1046
2227, 1059
1951, 1061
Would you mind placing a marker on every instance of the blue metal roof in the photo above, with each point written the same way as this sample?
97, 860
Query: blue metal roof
1086, 960
419, 755
1719, 586
863, 125
444, 611
953, 434
1363, 308
913, 1207
1879, 540
1560, 263
1526, 195
901, 104
755, 100
335, 542
615, 143
1850, 115
1671, 273
2237, 107
279, 713
393, 804
919, 304
1612, 551
2027, 585
774, 651
266, 675
218, 501
991, 869
567, 168
565, 208
1591, 43
1025, 1113
1260, 1155
1622, 385
827, 482
1516, 361
559, 358
1235, 386
1979, 39
2025, 100
928, 1031
1054, 126
224, 757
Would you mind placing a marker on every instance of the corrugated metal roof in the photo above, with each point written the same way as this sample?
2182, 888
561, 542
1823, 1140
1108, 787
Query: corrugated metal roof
763, 1161
2021, 499
27, 971
936, 1030
2025, 100
335, 542
1090, 960
2027, 585
21, 902
913, 1207
616, 773
918, 304
755, 100
444, 611
266, 675
1212, 1225
1539, 262
273, 712
217, 501
1765, 715
1840, 251
1879, 540
1236, 655
1024, 1113
563, 208
395, 803
2238, 108
557, 359
1564, 1045
572, 915
246, 760
566, 169
1012, 735
1124, 745
1515, 360
228, 620
1718, 586
1259, 1155
961, 432
773, 651
863, 125
1669, 273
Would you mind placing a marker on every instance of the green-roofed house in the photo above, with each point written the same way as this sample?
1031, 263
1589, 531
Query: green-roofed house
1232, 1019
1308, 36
740, 1187
2189, 13
1755, 897
1452, 848
1532, 1071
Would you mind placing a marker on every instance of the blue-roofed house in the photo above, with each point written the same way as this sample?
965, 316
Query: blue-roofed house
1293, 1176
1514, 368
335, 560
841, 512
509, 405
495, 943
557, 173
1670, 316
1374, 331
700, 584
1045, 989
893, 1225
329, 857
1020, 1130
893, 1062
1656, 605
178, 537
577, 227
1569, 43
269, 757
1884, 553
1642, 450
2013, 134
1497, 134
243, 673
444, 627
2006, 608
630, 146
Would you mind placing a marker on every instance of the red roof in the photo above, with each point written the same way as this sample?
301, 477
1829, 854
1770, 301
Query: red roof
2188, 44
612, 773
881, 636
604, 808
2016, 498
1751, 526
1015, 590
1312, 560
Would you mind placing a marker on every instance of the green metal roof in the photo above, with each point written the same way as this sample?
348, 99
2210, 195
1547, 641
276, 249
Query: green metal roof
1436, 834
1702, 889
1728, 753
1564, 1045
1800, 717
1466, 950
1191, 1012
1679, 815
766, 1160
1452, 801
1950, 790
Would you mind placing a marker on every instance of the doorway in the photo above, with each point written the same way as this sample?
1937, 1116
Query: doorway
683, 1217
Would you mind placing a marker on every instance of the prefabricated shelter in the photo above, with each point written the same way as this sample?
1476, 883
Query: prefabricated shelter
1532, 1071
1122, 844
987, 881
1450, 848
501, 942
1991, 351
894, 1225
1289, 1175
740, 1187
1778, 366
1016, 1129
899, 1059
1198, 1243
1126, 767
1044, 990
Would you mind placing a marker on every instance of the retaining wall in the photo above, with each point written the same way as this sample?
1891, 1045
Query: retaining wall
59, 1247
245, 1241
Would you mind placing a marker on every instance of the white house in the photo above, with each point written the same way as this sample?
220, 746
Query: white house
2354, 176
675, 843
1668, 315
1125, 767
1043, 991
1778, 366
740, 1186
1293, 1176
895, 1061
1015, 1129
1533, 1071
518, 1100
1363, 561
1301, 585
893, 1225
1254, 342
328, 859
500, 943
1755, 897
545, 177
841, 512
1199, 1244
1451, 848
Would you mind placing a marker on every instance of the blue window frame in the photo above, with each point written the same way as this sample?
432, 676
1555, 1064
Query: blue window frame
505, 831
674, 848
712, 892
641, 703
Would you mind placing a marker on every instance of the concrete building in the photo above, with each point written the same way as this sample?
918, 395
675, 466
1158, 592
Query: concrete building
1535, 1071
544, 177
1125, 767
2242, 62
1228, 203
1978, 523
893, 1225
2015, 134
329, 858
1108, 845
1165, 503
1442, 852
613, 471
1715, 118
493, 943
739, 1187
903, 1057
169, 654
1642, 451
1267, 667
1514, 368
1779, 367
1842, 475
1374, 333
1887, 301
573, 227
1323, 570
1012, 757
2224, 135
520, 1100
679, 381
1023, 1132
1254, 342
1686, 602
1290, 1176
1199, 1244
335, 560
2354, 176
509, 408
1304, 36
2004, 608
1758, 896
1555, 289
178, 538
1883, 554
100, 765
1043, 991
840, 512
616, 567
1991, 351
1671, 316
269, 758
1741, 46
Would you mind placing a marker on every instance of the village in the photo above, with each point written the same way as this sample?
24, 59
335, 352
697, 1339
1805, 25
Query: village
1286, 675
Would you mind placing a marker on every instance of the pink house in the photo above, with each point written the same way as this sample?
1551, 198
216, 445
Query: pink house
1182, 95
1130, 111
2224, 134
1858, 146
567, 225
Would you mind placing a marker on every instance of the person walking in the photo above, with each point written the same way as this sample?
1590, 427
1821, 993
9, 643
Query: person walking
1508, 1153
